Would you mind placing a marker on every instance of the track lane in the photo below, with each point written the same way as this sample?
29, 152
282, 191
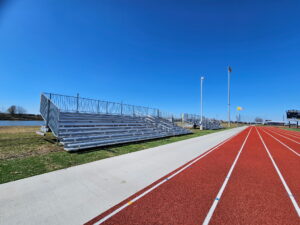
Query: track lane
184, 199
291, 132
220, 193
255, 194
287, 162
278, 131
290, 145
295, 140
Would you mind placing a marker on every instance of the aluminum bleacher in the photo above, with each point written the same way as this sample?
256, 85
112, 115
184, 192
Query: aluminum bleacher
81, 123
208, 124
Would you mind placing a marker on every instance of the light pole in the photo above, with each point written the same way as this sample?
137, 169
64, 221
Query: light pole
229, 72
201, 103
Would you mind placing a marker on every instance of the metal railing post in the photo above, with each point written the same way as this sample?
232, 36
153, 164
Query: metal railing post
77, 107
158, 113
98, 106
48, 110
121, 108
133, 112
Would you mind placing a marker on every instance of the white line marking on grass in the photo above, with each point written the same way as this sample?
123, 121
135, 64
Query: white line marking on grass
290, 194
163, 181
217, 199
282, 143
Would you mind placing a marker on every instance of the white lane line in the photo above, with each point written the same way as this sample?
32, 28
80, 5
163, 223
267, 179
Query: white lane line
163, 181
218, 197
282, 143
285, 133
290, 194
289, 132
283, 136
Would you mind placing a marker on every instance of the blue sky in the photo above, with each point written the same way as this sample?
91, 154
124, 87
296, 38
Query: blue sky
153, 53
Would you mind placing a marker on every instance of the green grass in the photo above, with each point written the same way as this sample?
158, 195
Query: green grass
24, 153
19, 142
293, 129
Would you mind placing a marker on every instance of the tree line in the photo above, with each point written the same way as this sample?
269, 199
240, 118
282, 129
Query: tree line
15, 109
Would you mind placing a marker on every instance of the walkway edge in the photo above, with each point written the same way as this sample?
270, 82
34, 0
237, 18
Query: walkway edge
163, 181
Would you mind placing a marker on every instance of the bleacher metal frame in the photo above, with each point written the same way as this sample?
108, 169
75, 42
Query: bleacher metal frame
81, 123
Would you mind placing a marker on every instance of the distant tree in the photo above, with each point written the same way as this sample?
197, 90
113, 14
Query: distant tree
258, 120
20, 110
12, 109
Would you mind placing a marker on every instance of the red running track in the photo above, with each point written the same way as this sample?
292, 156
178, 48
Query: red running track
291, 142
283, 132
255, 194
288, 132
240, 169
287, 161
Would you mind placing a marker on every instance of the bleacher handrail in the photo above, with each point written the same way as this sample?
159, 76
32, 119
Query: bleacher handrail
66, 103
73, 104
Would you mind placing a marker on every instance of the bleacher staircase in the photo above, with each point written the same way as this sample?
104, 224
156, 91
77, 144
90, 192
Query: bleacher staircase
87, 130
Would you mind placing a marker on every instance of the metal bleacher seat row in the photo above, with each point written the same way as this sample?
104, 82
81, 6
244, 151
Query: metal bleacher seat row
81, 123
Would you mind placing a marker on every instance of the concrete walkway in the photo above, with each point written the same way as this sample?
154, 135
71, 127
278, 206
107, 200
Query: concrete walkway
78, 194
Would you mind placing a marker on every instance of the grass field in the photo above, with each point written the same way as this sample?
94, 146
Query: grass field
294, 129
24, 153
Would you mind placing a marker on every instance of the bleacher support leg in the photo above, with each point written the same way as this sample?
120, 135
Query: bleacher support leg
77, 106
48, 111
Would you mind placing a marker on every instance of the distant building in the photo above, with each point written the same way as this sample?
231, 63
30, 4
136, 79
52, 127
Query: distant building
274, 123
